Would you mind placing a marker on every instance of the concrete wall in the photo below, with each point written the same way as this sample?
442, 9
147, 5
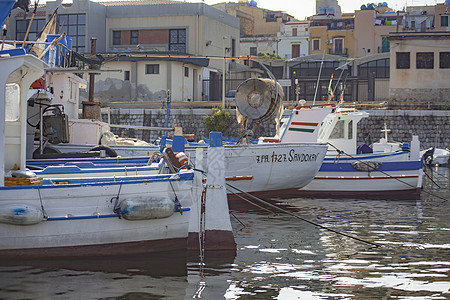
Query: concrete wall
414, 86
432, 127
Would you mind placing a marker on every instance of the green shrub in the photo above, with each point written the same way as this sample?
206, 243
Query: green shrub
218, 121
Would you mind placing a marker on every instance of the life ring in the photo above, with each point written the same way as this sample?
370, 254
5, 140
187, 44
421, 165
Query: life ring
109, 152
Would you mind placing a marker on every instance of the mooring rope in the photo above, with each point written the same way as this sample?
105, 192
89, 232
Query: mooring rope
44, 213
429, 177
300, 218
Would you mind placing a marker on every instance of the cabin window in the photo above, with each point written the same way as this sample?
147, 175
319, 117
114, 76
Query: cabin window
350, 130
338, 130
424, 60
403, 61
12, 104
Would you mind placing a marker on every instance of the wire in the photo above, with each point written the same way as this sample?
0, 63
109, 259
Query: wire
303, 219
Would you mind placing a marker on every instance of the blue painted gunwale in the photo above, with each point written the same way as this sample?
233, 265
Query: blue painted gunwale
78, 182
75, 169
385, 166
94, 162
368, 156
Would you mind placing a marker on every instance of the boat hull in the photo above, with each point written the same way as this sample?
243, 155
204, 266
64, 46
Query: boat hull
270, 167
372, 173
80, 219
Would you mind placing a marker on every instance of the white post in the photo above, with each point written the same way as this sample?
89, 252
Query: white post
218, 231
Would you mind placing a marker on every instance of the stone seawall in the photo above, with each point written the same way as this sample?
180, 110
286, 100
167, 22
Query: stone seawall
432, 126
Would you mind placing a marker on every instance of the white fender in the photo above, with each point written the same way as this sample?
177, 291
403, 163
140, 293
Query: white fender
146, 209
20, 214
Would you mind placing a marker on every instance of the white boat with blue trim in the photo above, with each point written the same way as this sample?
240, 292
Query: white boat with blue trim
109, 215
389, 167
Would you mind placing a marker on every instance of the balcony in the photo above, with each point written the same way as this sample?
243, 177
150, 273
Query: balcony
341, 52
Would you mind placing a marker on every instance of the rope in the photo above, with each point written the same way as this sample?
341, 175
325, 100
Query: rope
437, 174
300, 218
237, 219
387, 174
177, 202
44, 213
259, 206
429, 177
116, 208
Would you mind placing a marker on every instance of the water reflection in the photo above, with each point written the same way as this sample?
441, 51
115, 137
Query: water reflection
278, 257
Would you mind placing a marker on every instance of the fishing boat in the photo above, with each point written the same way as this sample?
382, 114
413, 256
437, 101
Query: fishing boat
79, 216
264, 169
386, 167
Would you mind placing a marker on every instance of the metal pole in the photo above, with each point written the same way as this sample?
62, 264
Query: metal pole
167, 111
223, 72
91, 75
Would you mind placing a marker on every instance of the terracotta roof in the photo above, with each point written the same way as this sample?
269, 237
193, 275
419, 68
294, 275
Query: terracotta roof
139, 2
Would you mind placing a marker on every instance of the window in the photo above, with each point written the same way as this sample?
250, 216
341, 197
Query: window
316, 44
117, 37
233, 47
152, 69
444, 21
177, 40
350, 130
126, 76
134, 37
424, 60
186, 72
294, 31
385, 45
75, 26
380, 67
444, 60
36, 26
403, 61
339, 46
295, 50
338, 130
253, 51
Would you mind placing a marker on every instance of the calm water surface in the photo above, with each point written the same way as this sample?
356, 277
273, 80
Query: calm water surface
278, 257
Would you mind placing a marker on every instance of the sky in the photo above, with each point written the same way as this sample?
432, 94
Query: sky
300, 9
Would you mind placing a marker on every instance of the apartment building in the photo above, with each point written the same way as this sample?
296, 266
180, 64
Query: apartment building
371, 28
152, 42
331, 32
259, 27
293, 39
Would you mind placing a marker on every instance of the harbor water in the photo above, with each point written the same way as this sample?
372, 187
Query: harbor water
278, 256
